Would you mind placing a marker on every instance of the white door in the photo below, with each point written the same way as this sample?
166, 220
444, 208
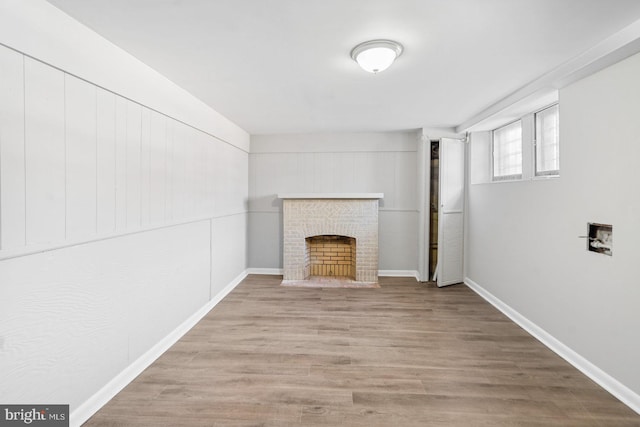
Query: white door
451, 213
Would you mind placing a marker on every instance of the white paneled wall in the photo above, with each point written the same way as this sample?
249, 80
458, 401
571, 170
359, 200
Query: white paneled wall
79, 162
157, 173
389, 172
45, 152
81, 158
106, 168
117, 224
12, 151
335, 163
133, 168
42, 31
120, 164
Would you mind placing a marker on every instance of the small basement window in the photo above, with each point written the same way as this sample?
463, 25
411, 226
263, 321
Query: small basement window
547, 142
507, 152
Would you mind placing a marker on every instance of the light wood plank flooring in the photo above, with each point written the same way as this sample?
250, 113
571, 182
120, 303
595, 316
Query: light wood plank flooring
406, 354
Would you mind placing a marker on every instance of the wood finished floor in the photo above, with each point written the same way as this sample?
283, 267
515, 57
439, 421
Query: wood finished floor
406, 354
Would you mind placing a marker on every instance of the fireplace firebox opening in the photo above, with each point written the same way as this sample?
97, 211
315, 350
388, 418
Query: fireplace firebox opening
330, 256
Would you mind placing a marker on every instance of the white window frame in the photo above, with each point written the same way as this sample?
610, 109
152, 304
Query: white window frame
537, 144
512, 177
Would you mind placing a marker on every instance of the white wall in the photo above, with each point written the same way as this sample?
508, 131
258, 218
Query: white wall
341, 162
118, 220
523, 244
74, 318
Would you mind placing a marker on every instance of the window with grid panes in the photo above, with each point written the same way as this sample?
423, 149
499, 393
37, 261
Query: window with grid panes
547, 142
507, 152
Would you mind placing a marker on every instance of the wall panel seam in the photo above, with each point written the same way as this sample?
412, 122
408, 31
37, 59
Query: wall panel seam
81, 242
140, 171
1, 203
26, 164
125, 181
95, 97
115, 160
66, 153
24, 142
210, 258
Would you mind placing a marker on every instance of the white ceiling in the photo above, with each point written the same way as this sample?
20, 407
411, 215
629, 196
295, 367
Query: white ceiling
283, 66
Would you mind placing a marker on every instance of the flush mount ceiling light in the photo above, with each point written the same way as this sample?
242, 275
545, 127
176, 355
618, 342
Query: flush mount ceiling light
376, 55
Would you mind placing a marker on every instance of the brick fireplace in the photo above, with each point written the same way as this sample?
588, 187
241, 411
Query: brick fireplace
333, 256
330, 234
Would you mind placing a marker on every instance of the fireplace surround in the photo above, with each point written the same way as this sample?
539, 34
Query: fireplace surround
341, 217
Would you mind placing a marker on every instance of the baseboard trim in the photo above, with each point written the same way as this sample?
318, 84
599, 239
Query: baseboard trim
269, 271
382, 273
120, 381
399, 273
606, 381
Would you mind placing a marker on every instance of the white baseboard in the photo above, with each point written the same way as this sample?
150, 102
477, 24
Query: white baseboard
270, 271
113, 387
382, 273
399, 273
606, 381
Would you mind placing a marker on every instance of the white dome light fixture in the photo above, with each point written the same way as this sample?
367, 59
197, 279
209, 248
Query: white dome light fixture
376, 55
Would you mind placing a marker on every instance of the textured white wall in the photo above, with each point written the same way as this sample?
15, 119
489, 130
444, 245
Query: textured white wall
523, 244
382, 162
73, 318
118, 219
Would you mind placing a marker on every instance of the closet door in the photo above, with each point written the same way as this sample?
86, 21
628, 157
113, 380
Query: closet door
451, 213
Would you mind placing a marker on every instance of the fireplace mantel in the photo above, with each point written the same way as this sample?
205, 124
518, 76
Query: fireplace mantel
310, 196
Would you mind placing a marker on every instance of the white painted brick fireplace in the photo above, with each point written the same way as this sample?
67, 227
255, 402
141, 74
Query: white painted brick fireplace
352, 215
